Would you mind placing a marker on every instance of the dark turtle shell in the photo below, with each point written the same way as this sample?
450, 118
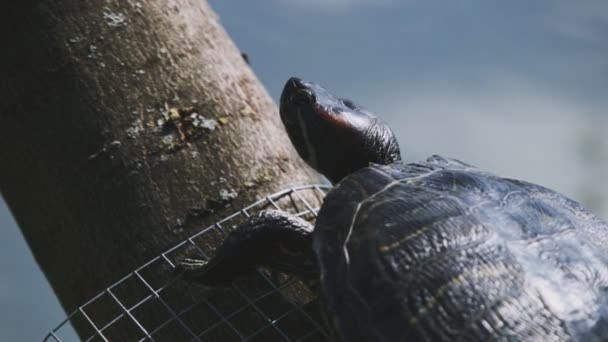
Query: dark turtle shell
442, 251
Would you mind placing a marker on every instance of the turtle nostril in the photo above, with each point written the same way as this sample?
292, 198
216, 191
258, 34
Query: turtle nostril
292, 87
296, 82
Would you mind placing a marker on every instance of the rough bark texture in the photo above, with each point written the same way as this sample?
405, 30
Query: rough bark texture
119, 120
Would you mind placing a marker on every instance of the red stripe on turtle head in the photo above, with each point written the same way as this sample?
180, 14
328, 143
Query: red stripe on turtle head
331, 134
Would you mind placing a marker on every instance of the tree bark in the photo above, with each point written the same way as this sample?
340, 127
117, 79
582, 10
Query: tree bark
119, 120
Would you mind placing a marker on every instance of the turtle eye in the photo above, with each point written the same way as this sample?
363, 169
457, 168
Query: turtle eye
349, 104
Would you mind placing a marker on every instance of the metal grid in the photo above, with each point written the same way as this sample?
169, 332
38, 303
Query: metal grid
259, 308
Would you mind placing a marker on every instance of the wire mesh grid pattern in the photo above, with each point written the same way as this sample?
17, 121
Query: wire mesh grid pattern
259, 308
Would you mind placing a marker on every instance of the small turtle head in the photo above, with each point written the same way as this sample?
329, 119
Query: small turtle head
333, 135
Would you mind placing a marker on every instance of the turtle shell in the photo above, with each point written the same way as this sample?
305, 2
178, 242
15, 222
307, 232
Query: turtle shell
442, 251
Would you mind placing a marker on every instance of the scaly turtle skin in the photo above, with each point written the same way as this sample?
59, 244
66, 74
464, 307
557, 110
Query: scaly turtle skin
430, 251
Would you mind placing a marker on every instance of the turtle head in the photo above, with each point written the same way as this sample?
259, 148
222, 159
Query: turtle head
333, 135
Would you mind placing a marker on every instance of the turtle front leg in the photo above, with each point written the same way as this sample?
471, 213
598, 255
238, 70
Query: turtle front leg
271, 238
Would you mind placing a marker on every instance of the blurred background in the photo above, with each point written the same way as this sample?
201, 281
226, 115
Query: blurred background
518, 88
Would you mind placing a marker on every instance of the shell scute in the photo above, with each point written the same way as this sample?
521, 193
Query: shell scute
439, 250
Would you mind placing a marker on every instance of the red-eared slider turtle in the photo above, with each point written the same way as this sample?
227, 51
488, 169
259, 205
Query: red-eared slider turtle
430, 251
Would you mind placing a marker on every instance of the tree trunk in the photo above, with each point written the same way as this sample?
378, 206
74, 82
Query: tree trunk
127, 126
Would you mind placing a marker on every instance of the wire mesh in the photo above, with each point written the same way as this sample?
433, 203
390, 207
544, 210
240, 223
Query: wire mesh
264, 307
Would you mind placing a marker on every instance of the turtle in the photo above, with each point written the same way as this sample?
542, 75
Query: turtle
435, 250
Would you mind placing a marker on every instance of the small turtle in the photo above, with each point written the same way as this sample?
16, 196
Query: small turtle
436, 250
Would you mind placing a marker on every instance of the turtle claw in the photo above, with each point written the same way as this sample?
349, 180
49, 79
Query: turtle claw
190, 268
